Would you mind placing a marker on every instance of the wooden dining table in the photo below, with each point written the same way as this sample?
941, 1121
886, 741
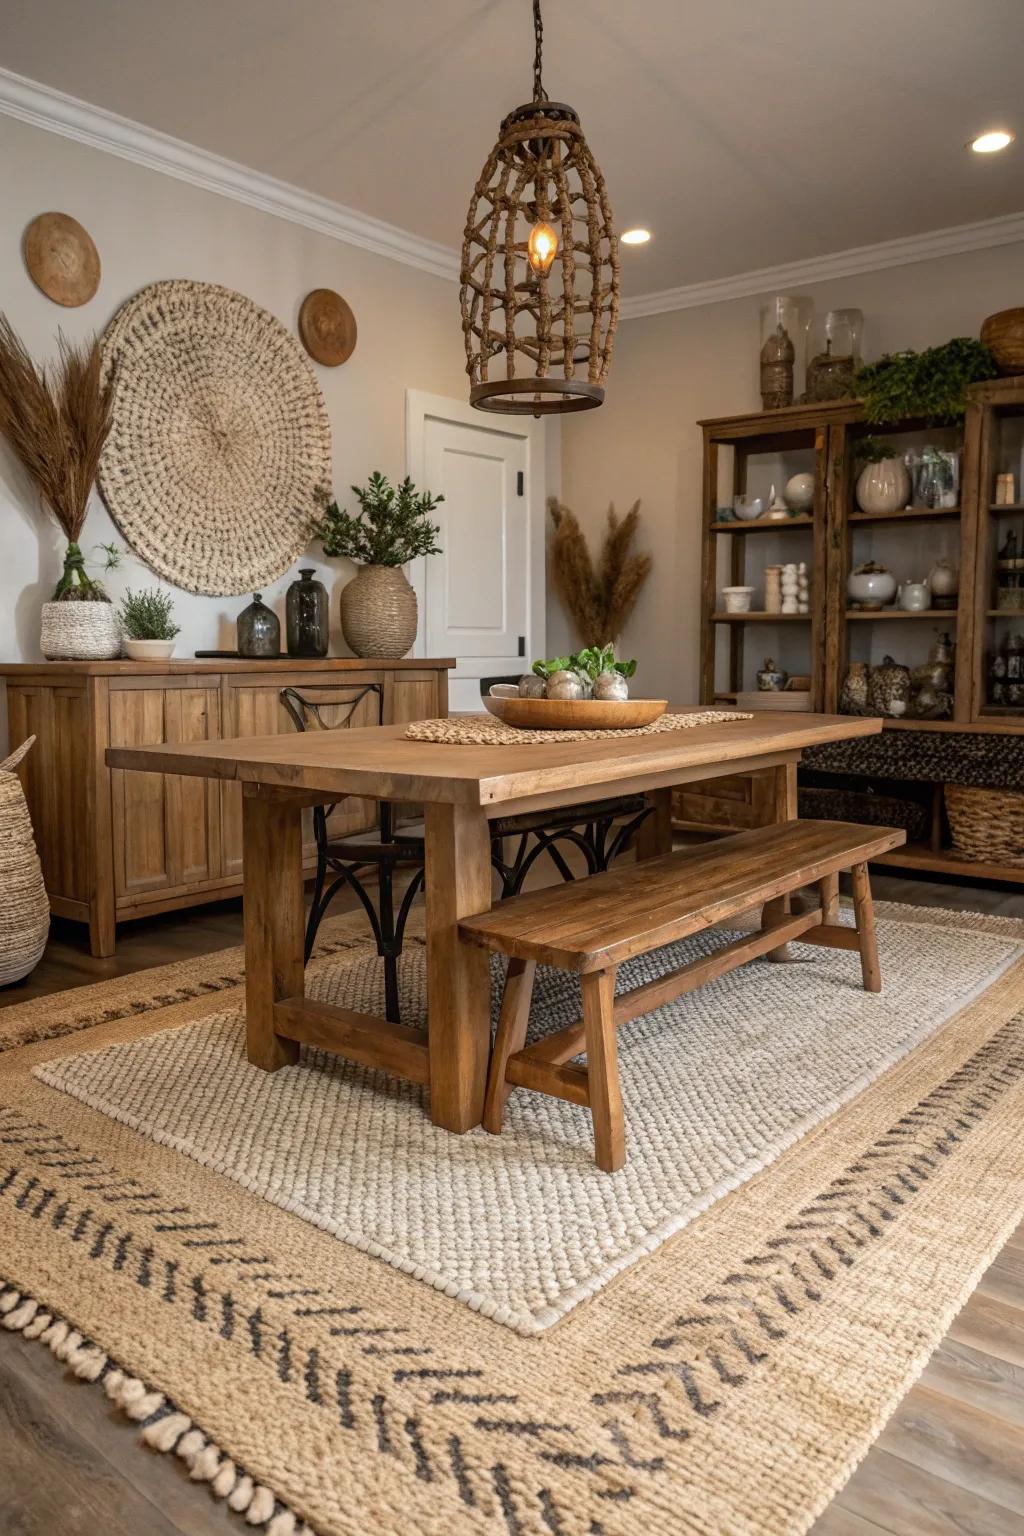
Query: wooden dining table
461, 788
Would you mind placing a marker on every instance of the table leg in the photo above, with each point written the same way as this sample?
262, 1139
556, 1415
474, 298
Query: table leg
458, 884
274, 922
654, 835
782, 807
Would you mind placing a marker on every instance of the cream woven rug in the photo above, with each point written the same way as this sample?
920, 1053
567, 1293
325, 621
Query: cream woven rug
525, 1226
725, 1385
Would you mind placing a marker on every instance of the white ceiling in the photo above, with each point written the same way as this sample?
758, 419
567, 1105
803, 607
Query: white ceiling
745, 133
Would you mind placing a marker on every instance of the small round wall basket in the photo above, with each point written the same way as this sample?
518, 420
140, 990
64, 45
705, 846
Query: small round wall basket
220, 438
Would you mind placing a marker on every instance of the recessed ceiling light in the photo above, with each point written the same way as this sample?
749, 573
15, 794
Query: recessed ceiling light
990, 143
635, 236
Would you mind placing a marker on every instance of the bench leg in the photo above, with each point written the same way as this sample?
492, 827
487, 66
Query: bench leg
865, 915
828, 891
772, 912
510, 1037
603, 1069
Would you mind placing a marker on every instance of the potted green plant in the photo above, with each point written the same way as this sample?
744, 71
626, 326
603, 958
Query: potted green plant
56, 420
146, 618
392, 527
883, 483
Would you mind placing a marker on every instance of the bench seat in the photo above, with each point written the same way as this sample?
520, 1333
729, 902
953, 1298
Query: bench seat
591, 926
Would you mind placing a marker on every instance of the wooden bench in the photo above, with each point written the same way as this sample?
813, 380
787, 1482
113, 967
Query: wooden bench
591, 926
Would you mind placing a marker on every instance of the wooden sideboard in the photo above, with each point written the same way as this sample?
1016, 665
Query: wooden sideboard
115, 845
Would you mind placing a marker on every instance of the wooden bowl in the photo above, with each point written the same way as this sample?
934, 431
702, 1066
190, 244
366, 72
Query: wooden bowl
576, 714
1003, 334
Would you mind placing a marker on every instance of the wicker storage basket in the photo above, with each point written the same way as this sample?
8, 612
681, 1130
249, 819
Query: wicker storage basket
24, 909
987, 824
828, 804
80, 632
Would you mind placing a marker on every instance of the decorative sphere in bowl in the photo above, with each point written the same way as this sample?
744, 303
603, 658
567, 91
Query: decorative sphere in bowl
531, 686
611, 685
564, 685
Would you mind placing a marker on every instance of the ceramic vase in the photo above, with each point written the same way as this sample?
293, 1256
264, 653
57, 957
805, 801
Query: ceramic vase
379, 612
889, 689
883, 487
853, 697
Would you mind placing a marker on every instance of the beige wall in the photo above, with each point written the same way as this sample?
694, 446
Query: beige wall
669, 370
149, 226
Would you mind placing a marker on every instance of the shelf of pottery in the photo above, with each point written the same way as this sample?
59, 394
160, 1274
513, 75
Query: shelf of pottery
768, 581
900, 574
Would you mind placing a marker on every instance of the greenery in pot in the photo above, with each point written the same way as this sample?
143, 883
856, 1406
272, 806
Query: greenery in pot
56, 419
930, 385
391, 527
147, 615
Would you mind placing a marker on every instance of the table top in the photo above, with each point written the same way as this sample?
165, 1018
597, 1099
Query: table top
381, 762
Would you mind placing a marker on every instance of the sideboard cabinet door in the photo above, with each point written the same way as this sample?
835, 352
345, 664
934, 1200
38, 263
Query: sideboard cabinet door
166, 828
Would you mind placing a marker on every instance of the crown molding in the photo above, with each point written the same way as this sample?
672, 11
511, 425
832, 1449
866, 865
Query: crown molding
862, 258
59, 113
56, 112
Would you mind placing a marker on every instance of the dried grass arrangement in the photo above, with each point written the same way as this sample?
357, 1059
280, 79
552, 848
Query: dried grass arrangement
56, 419
599, 599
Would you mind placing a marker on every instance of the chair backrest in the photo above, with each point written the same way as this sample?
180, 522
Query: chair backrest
334, 707
487, 683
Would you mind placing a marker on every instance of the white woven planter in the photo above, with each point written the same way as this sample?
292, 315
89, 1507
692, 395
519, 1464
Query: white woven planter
80, 632
24, 909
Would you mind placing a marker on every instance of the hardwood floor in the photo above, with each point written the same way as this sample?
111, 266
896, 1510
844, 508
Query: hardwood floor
949, 1463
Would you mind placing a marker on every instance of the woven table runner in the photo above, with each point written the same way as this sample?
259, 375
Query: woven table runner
486, 731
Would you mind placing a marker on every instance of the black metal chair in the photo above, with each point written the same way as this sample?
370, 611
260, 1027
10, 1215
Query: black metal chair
342, 860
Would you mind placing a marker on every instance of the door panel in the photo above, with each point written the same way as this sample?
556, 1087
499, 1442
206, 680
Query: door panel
477, 589
166, 828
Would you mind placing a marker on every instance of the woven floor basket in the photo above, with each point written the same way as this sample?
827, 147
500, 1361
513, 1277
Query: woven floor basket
987, 824
24, 909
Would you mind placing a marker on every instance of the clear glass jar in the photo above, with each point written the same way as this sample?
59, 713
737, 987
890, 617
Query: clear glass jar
785, 324
307, 616
259, 629
844, 334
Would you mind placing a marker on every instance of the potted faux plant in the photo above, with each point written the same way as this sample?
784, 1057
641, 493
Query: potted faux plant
883, 484
56, 420
930, 386
146, 618
392, 527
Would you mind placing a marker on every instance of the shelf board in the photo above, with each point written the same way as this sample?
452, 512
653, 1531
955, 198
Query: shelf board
907, 515
763, 524
901, 613
760, 618
1008, 509
1005, 613
947, 862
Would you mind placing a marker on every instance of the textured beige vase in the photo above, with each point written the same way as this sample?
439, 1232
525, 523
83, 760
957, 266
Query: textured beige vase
378, 612
883, 487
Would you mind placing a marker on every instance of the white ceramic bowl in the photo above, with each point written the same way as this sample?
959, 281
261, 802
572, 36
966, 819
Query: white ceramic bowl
747, 508
149, 650
872, 589
737, 599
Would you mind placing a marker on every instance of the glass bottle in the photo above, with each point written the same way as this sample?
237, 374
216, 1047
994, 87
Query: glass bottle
259, 629
307, 616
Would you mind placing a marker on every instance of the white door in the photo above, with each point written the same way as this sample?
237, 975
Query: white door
478, 590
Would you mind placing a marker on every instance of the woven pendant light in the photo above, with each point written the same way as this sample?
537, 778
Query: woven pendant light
540, 265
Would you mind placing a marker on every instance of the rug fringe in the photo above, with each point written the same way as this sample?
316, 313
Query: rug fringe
163, 1427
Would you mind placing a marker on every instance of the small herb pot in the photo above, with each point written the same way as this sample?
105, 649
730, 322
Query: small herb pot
148, 650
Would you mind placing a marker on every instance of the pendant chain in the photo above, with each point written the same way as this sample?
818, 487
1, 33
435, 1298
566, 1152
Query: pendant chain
538, 33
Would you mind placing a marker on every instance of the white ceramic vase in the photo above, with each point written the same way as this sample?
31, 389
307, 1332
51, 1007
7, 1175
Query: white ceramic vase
883, 487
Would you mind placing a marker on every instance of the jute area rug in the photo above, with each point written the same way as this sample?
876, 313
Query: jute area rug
725, 1382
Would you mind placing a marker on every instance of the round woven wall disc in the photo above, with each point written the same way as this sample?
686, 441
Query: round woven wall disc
220, 438
61, 259
327, 327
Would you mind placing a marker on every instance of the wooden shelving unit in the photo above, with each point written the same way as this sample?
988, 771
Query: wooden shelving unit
823, 439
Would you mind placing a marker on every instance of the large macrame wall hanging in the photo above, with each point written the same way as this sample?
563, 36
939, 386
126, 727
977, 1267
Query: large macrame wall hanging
220, 438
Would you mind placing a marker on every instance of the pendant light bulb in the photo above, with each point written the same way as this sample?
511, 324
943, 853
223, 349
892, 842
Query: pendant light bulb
541, 247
